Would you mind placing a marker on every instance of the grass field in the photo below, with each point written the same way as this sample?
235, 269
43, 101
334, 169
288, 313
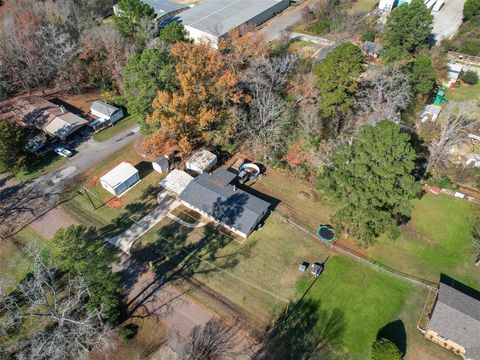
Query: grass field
113, 213
362, 6
14, 264
464, 93
436, 240
47, 161
120, 126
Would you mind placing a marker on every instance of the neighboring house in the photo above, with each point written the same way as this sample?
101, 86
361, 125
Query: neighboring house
163, 8
372, 49
202, 161
214, 19
105, 111
120, 178
44, 115
455, 320
214, 196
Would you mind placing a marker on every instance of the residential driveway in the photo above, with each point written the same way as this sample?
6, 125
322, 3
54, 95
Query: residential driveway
176, 309
125, 240
447, 21
53, 220
23, 202
273, 28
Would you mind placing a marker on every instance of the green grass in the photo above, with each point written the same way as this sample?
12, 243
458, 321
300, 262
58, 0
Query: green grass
116, 129
464, 93
436, 240
46, 162
368, 300
14, 264
107, 212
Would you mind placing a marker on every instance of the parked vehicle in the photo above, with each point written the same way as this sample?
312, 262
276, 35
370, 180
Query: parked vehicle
63, 152
317, 269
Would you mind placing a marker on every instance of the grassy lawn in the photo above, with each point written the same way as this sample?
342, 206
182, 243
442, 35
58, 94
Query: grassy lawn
46, 162
14, 265
365, 302
363, 6
436, 240
120, 126
111, 213
464, 93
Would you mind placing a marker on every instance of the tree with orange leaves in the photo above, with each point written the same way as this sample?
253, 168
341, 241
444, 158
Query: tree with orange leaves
193, 115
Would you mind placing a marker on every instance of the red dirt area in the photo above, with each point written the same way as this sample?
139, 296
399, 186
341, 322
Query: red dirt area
115, 203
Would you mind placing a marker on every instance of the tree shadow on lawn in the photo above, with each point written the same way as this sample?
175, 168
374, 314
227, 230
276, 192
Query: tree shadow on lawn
306, 332
395, 332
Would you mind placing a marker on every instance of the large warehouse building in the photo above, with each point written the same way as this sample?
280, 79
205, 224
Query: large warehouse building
212, 19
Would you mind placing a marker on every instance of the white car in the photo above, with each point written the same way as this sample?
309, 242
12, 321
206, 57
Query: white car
63, 152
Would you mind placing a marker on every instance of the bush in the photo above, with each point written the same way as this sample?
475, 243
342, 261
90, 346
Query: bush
384, 349
444, 182
128, 332
471, 9
320, 27
367, 36
470, 77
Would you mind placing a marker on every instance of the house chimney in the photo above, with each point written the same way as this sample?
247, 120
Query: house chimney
234, 187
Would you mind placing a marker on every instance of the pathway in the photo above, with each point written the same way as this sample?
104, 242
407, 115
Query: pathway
197, 224
125, 240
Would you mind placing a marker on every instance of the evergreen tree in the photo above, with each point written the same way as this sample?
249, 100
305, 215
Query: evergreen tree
132, 15
173, 33
13, 155
471, 9
384, 349
336, 79
78, 250
371, 179
145, 73
423, 75
407, 30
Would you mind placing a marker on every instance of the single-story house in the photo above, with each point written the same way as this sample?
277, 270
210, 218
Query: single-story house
216, 197
176, 181
102, 110
121, 178
44, 115
372, 49
201, 161
455, 320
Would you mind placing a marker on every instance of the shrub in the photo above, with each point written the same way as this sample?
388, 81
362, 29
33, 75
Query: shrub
367, 36
320, 27
128, 332
471, 9
470, 77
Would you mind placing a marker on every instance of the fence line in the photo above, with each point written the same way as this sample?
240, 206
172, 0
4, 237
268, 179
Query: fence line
360, 257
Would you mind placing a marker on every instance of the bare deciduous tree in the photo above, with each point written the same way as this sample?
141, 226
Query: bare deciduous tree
56, 304
453, 131
383, 96
213, 341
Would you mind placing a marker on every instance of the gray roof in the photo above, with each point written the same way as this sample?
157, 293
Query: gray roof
103, 108
218, 17
213, 194
372, 47
163, 7
456, 316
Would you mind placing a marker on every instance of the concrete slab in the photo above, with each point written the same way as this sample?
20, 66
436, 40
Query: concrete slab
447, 21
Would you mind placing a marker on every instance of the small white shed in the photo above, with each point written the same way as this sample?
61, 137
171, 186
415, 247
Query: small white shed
120, 178
176, 181
201, 161
106, 111
160, 165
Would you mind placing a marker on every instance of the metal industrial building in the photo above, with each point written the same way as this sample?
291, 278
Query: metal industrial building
213, 19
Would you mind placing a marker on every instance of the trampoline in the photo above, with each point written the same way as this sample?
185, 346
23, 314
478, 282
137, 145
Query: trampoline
326, 233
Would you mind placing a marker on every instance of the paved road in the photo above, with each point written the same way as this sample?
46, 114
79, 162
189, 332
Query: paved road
273, 28
447, 21
22, 202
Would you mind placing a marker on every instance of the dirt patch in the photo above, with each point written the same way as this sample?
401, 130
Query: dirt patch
114, 203
304, 195
314, 195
